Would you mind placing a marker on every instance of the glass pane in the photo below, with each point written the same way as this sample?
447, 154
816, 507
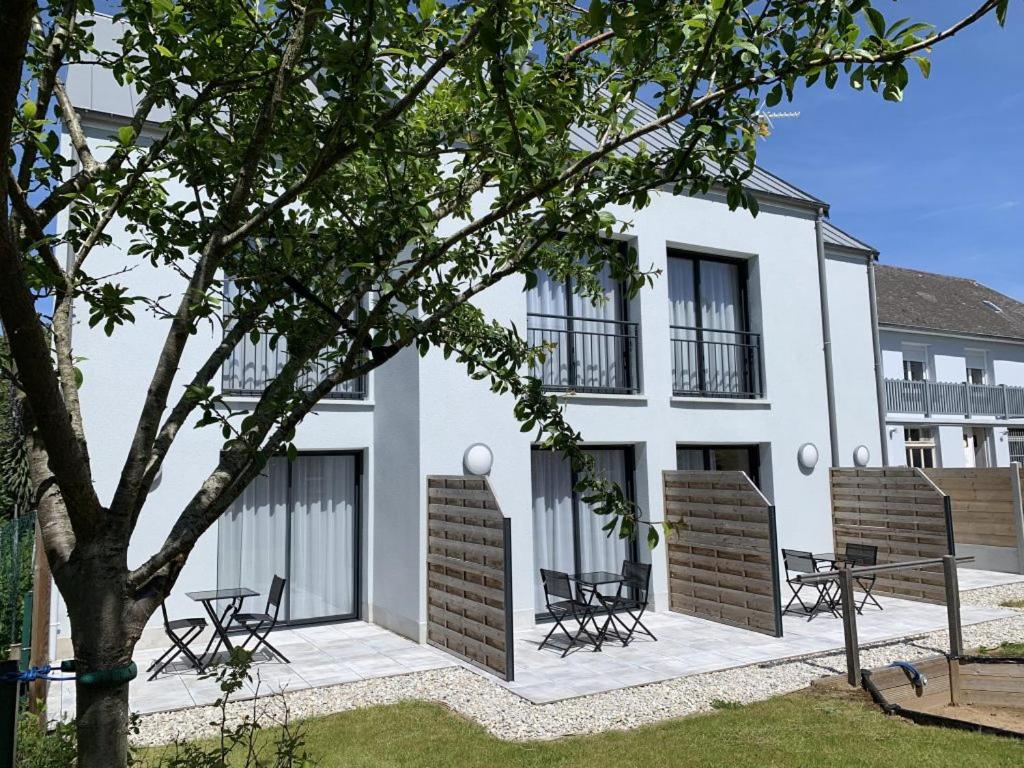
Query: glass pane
323, 537
552, 518
598, 550
690, 458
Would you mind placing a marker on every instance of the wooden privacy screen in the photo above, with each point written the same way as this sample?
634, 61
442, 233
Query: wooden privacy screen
469, 584
722, 551
903, 513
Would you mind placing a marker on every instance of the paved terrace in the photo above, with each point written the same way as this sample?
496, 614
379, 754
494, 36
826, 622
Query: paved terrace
342, 653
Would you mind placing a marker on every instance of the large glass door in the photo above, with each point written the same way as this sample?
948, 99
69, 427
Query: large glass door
567, 535
721, 458
298, 519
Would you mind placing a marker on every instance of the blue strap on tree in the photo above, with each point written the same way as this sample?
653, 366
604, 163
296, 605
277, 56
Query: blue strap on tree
116, 676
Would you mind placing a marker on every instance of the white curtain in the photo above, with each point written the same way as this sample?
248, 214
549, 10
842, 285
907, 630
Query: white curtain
322, 537
690, 459
720, 315
599, 346
548, 297
598, 550
682, 297
251, 535
552, 518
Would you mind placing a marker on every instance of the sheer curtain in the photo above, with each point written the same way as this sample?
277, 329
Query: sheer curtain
598, 550
690, 458
599, 347
720, 316
552, 518
682, 297
548, 297
252, 533
322, 537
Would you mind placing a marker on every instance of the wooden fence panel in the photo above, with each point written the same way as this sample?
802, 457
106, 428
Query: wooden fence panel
722, 551
982, 502
903, 513
469, 585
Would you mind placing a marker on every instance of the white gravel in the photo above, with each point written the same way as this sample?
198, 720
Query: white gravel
507, 716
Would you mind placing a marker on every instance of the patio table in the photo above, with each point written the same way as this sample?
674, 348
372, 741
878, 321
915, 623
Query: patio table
590, 583
220, 621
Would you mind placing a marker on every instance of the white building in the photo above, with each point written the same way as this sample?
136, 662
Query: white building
953, 358
723, 363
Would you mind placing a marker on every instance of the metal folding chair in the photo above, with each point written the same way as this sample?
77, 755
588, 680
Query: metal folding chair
636, 578
260, 625
180, 641
563, 604
799, 563
860, 555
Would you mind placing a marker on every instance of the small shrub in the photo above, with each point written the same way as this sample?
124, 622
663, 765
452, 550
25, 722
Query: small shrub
1013, 604
53, 748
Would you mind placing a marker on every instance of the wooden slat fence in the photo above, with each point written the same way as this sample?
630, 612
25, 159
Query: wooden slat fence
722, 551
469, 584
986, 514
904, 514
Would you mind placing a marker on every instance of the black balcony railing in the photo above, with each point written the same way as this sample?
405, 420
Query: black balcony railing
947, 398
252, 366
588, 355
707, 362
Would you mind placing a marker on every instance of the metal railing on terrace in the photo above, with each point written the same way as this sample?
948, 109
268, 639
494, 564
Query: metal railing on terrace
707, 362
254, 365
947, 398
589, 354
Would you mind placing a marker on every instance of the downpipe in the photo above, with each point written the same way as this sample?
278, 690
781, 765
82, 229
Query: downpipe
826, 334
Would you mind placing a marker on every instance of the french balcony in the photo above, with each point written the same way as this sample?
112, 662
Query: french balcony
707, 362
945, 398
252, 366
587, 355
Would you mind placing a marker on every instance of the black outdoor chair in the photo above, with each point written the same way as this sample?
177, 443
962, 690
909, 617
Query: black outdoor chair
563, 603
181, 633
799, 563
259, 625
857, 555
636, 579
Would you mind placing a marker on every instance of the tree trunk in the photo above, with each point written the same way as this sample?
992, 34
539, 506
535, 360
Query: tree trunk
104, 634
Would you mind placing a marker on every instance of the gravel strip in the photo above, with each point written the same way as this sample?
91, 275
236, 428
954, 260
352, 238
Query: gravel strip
508, 716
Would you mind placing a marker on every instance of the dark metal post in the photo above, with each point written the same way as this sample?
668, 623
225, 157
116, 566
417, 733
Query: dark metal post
773, 542
850, 627
956, 640
510, 662
8, 714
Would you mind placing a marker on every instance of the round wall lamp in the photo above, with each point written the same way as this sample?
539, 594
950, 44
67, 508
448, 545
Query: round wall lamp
861, 456
478, 459
808, 456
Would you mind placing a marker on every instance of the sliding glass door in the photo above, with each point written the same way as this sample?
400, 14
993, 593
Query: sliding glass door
298, 519
721, 458
567, 535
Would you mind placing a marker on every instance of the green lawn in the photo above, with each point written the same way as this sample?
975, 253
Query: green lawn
805, 729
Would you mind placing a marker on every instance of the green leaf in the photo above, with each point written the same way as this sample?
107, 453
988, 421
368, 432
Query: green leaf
164, 51
125, 135
28, 109
924, 64
427, 8
877, 21
774, 96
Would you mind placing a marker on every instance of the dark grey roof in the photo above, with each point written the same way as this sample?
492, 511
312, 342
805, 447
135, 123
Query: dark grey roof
836, 237
908, 298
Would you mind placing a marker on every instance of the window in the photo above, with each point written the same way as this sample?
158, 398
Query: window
977, 367
298, 519
914, 370
567, 535
976, 447
920, 443
594, 346
713, 352
1015, 436
721, 458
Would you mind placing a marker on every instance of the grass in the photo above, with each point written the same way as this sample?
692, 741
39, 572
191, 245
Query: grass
806, 729
1004, 650
1013, 604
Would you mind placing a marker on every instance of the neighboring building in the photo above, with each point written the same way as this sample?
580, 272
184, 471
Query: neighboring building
953, 360
720, 364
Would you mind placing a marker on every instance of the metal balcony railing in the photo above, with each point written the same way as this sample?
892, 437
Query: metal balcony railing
707, 362
254, 365
946, 398
589, 354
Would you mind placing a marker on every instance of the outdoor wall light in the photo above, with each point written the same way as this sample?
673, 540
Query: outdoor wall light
808, 456
478, 459
861, 456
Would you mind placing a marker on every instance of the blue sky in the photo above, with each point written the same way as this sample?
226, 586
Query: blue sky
935, 181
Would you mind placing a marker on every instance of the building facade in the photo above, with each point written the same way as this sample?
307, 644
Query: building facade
953, 361
737, 356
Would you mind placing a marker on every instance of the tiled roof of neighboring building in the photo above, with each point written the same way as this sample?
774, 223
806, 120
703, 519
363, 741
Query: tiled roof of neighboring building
909, 298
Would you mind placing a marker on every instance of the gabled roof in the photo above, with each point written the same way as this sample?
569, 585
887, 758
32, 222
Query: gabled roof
837, 238
909, 298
